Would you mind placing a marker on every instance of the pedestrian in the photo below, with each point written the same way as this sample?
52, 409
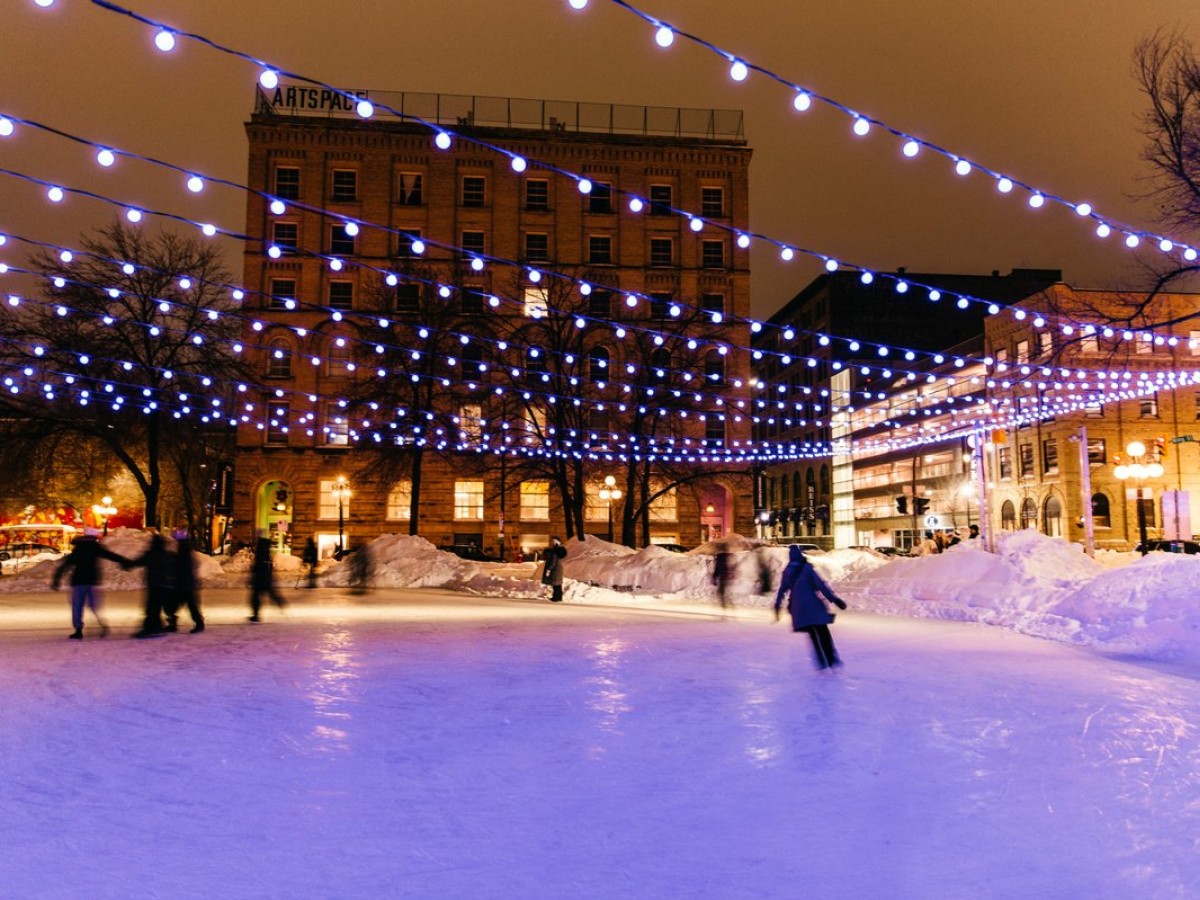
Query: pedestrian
159, 564
807, 593
552, 571
186, 590
84, 563
928, 547
309, 558
721, 573
262, 578
974, 532
764, 572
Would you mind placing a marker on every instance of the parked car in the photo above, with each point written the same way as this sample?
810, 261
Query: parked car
26, 548
469, 551
1170, 547
674, 548
808, 548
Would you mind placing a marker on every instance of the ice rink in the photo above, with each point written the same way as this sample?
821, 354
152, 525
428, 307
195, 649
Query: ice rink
425, 743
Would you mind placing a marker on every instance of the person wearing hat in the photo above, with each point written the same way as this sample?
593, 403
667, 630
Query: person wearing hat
84, 563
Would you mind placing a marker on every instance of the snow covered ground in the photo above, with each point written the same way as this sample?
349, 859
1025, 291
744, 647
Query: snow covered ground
453, 734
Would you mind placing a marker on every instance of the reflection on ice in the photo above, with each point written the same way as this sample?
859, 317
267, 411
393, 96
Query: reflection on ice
607, 695
333, 690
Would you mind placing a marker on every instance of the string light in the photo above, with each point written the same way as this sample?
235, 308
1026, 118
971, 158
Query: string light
164, 40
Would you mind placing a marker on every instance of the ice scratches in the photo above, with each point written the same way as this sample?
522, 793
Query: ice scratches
1087, 722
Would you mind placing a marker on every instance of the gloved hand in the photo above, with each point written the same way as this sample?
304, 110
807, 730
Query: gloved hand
839, 602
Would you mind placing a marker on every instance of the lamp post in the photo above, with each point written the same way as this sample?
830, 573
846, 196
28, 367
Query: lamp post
608, 494
341, 492
104, 509
1138, 469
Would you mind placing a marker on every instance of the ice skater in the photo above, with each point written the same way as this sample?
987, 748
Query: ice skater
262, 579
722, 571
84, 563
552, 572
159, 564
186, 591
309, 558
805, 589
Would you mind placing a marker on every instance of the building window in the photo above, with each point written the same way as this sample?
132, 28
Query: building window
341, 243
535, 501
1050, 455
286, 236
277, 423
470, 422
1022, 351
1194, 343
283, 293
713, 304
468, 500
474, 190
537, 246
1028, 513
411, 189
712, 202
600, 250
399, 500
1089, 343
661, 200
662, 251
337, 426
1045, 343
1101, 517
1004, 462
660, 363
287, 182
344, 188
1026, 451
328, 506
535, 363
341, 295
536, 301
1001, 356
1145, 343
1147, 505
404, 241
712, 254
660, 305
600, 198
1093, 408
338, 356
598, 429
714, 430
1097, 452
1052, 517
664, 507
600, 306
1148, 407
714, 367
408, 297
279, 358
472, 243
598, 365
1008, 516
471, 360
537, 195
472, 302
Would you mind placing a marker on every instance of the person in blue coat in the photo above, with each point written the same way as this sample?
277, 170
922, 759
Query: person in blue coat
807, 593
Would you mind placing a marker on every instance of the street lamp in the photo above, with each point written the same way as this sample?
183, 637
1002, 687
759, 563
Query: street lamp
608, 494
104, 509
341, 493
1139, 469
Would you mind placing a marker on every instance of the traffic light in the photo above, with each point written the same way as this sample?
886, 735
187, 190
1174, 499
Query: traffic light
1160, 448
920, 505
902, 505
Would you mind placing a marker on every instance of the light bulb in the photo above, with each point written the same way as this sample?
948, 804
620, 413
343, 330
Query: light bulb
442, 140
664, 36
269, 79
164, 41
106, 158
278, 207
831, 265
696, 224
802, 101
1102, 230
1036, 200
1165, 246
1083, 209
738, 71
1004, 185
208, 230
46, 4
56, 194
743, 241
351, 228
477, 264
787, 254
585, 186
636, 205
195, 184
133, 215
365, 109
6, 127
518, 164
861, 126
911, 148
1132, 241
962, 167
578, 4
418, 247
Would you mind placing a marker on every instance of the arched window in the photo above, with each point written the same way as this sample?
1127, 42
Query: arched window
826, 489
1101, 515
598, 364
1008, 516
660, 364
810, 484
783, 491
1028, 513
1052, 517
471, 360
796, 493
714, 367
338, 355
279, 358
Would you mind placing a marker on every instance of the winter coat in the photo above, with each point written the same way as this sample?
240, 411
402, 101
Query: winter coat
553, 572
801, 585
159, 564
84, 562
262, 573
185, 568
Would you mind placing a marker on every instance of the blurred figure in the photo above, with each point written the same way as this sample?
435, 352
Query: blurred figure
309, 558
552, 572
807, 592
721, 574
262, 578
927, 547
360, 570
186, 591
974, 532
159, 564
764, 572
84, 563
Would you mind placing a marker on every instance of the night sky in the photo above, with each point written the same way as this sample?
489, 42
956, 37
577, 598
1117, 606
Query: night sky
1039, 90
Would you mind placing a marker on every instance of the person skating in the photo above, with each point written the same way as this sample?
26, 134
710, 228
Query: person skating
722, 573
309, 558
552, 572
262, 578
186, 590
84, 563
159, 564
805, 589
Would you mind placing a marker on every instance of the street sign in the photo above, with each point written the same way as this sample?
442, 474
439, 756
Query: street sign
1183, 439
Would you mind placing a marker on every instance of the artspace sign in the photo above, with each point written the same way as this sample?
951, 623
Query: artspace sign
301, 98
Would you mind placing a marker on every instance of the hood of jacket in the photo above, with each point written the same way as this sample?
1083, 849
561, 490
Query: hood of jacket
796, 554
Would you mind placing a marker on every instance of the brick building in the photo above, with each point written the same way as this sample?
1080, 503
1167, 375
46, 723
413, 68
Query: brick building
484, 336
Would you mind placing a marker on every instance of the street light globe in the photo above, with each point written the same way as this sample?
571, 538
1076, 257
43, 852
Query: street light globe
1154, 470
1121, 472
609, 481
1137, 471
1135, 448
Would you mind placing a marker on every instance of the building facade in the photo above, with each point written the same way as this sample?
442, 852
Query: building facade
465, 341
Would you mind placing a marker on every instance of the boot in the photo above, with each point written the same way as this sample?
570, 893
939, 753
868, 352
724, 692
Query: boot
76, 635
197, 628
